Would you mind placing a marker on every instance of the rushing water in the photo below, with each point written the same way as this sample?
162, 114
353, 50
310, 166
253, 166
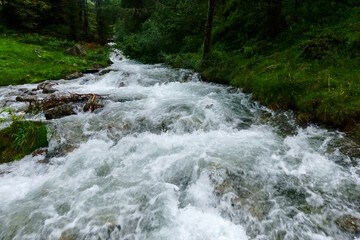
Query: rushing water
171, 157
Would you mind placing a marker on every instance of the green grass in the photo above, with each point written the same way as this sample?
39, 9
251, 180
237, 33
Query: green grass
31, 58
21, 139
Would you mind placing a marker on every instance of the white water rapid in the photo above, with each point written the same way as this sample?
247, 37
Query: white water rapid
171, 157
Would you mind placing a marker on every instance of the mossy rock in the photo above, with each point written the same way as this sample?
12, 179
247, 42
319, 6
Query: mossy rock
21, 139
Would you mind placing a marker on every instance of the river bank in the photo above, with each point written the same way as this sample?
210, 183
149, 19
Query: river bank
311, 67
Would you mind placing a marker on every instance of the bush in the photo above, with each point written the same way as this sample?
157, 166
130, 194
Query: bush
48, 43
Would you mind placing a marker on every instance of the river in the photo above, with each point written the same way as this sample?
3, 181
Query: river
172, 157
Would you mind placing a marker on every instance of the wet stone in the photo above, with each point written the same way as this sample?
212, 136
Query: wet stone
113, 228
48, 89
349, 223
59, 112
68, 236
96, 104
74, 76
5, 173
44, 161
106, 71
40, 152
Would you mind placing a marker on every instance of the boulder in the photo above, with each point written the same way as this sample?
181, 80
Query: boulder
48, 89
77, 51
59, 112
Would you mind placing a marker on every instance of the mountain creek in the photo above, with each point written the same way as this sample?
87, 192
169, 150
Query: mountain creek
164, 155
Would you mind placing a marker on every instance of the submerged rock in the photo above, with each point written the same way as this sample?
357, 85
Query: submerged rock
349, 223
113, 228
68, 236
5, 173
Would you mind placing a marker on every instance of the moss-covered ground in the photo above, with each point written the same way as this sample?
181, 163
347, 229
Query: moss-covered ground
31, 58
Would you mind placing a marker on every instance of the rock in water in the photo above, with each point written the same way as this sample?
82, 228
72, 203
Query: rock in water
48, 89
68, 236
349, 223
59, 112
77, 51
74, 75
96, 104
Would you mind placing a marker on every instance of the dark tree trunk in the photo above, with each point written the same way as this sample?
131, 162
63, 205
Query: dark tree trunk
208, 28
297, 4
274, 12
86, 19
99, 21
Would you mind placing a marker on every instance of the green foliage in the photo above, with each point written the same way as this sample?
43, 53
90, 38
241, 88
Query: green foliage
174, 26
20, 139
89, 20
13, 116
25, 13
32, 58
47, 42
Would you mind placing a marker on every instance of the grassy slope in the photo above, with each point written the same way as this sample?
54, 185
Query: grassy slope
316, 71
22, 62
20, 139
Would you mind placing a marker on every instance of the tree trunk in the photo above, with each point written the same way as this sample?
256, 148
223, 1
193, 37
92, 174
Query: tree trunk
274, 12
99, 20
208, 28
297, 4
86, 19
